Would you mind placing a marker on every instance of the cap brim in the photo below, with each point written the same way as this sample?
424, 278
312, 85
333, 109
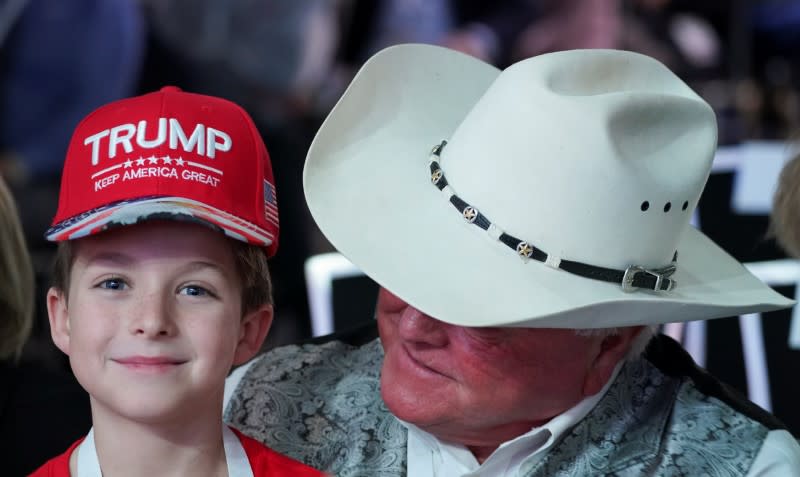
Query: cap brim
134, 211
368, 188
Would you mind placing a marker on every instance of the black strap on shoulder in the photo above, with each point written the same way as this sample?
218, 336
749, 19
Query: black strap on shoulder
354, 336
673, 360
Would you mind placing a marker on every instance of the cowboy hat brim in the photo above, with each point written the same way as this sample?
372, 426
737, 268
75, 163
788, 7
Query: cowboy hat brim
367, 184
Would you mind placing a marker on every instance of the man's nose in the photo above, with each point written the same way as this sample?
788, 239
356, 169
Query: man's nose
415, 326
152, 317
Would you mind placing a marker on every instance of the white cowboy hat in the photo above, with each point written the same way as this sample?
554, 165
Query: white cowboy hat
565, 166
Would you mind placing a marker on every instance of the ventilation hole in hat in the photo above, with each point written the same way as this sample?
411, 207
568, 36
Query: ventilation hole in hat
685, 205
645, 205
667, 206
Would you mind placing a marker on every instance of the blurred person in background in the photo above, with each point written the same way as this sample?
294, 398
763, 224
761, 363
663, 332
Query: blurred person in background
676, 33
60, 60
485, 30
785, 214
41, 412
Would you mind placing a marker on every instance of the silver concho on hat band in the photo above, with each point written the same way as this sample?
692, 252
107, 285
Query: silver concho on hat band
633, 278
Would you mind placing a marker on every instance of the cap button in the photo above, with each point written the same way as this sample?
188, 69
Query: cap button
170, 89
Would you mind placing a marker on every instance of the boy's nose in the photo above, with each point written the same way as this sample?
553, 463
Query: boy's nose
153, 317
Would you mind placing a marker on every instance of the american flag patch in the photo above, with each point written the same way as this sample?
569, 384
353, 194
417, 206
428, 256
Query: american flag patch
270, 203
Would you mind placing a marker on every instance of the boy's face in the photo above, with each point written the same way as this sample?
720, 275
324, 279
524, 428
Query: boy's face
152, 320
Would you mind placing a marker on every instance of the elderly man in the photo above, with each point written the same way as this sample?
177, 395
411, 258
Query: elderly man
524, 263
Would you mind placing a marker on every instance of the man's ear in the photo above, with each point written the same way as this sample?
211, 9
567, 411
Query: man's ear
612, 349
252, 333
59, 318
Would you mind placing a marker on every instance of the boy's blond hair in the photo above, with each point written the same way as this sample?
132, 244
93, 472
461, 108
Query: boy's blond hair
17, 282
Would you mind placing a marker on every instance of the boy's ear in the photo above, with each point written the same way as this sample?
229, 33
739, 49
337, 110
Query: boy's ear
252, 334
59, 318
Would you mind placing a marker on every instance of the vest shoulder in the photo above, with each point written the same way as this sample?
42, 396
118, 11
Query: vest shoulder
651, 423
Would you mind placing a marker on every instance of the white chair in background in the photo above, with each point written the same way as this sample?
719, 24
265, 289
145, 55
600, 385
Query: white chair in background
321, 270
783, 272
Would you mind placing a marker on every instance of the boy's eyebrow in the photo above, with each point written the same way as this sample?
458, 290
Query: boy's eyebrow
115, 258
200, 264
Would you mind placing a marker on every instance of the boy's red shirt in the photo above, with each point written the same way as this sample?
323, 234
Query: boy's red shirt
264, 461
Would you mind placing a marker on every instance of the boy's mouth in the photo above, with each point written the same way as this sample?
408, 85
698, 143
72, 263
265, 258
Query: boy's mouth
149, 363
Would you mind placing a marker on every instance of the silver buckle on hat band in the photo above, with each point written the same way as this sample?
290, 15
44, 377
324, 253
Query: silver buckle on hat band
661, 274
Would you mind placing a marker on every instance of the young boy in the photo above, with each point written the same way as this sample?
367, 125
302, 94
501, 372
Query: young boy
166, 217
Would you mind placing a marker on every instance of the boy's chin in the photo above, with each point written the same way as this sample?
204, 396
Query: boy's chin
158, 409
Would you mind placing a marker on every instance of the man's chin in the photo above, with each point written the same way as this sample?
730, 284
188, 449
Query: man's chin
411, 399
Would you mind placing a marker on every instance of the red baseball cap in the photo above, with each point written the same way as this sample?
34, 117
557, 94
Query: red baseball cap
168, 155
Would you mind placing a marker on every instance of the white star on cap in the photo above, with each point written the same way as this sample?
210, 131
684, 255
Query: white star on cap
128, 163
140, 161
179, 161
153, 159
167, 160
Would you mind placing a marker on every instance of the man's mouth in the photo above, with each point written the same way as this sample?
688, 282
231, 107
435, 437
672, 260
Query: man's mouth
420, 364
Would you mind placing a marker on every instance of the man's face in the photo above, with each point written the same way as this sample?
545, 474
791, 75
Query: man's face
477, 385
152, 322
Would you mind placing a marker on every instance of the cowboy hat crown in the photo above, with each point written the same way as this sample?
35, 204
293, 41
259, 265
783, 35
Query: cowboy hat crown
622, 151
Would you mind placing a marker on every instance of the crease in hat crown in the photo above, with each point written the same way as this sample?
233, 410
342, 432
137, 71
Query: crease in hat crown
168, 154
598, 156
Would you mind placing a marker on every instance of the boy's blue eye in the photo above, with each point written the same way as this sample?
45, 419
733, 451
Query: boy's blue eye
112, 284
194, 290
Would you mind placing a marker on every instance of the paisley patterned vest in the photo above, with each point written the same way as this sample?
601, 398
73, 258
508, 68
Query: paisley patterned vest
320, 403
